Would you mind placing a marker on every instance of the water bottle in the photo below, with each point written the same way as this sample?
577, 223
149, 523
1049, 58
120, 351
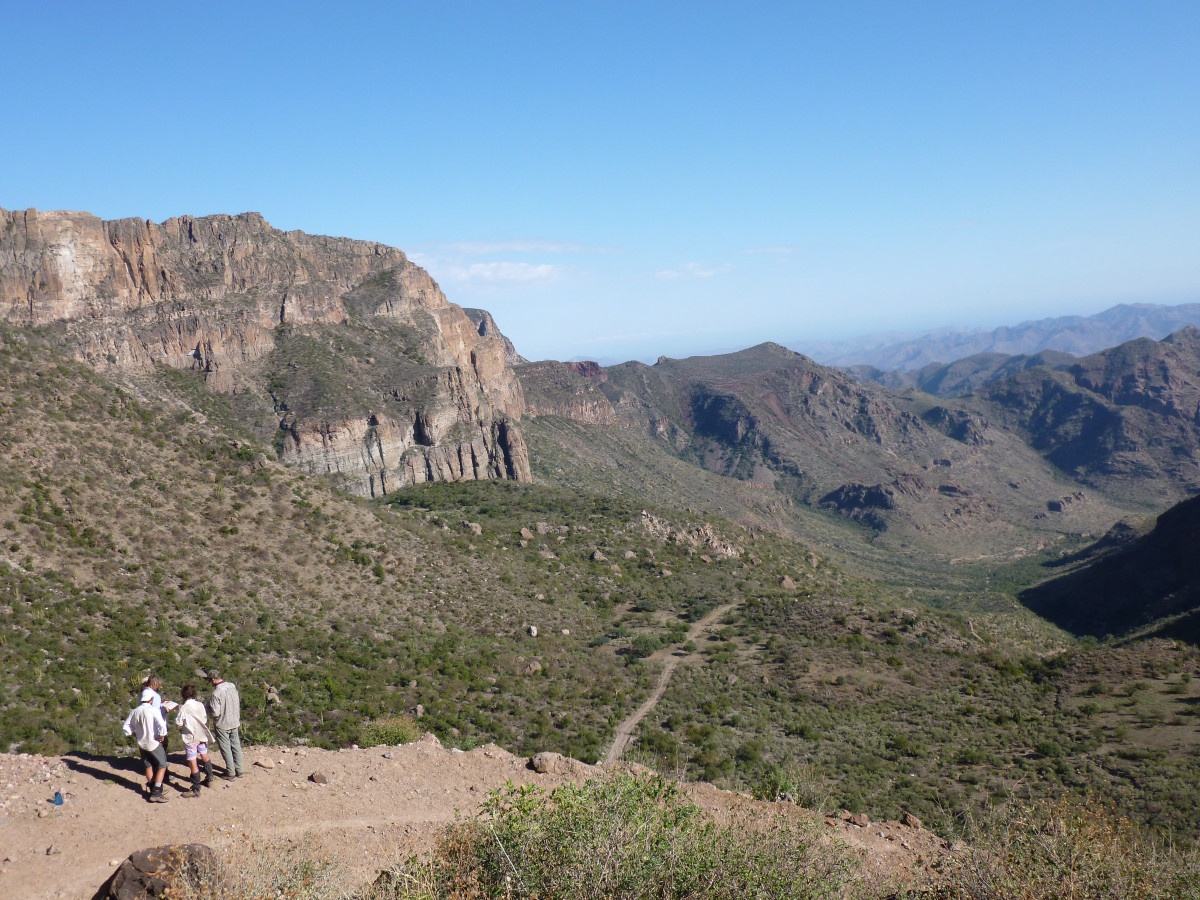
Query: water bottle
58, 800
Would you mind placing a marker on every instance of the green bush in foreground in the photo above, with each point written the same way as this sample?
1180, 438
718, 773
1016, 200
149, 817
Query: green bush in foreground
388, 731
618, 837
1067, 850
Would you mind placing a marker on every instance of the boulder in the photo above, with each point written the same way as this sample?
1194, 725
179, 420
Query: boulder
787, 583
548, 763
526, 534
154, 872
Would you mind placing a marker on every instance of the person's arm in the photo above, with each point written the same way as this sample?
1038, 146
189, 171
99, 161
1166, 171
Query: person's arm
216, 704
127, 725
160, 725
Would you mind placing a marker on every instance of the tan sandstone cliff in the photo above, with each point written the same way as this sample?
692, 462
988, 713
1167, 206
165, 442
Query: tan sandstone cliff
218, 295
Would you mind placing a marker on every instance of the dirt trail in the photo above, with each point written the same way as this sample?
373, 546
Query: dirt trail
626, 729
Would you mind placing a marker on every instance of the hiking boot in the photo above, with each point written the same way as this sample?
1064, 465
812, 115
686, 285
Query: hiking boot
157, 795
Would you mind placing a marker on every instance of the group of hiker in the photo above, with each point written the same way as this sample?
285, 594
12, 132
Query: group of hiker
199, 724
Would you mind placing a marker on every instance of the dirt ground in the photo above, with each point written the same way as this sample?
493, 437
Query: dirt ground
379, 805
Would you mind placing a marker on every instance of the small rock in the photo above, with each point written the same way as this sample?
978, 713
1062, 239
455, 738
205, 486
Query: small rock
629, 554
418, 711
318, 778
533, 631
597, 556
265, 763
862, 820
472, 528
533, 668
526, 534
910, 821
388, 755
53, 850
566, 632
786, 583
429, 739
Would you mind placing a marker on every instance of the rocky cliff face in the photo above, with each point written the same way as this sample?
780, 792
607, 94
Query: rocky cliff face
227, 296
568, 390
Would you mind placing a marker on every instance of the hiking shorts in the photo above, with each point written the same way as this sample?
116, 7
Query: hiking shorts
200, 748
156, 758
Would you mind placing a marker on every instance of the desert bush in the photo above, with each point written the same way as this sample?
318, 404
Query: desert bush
388, 730
622, 836
1066, 850
258, 869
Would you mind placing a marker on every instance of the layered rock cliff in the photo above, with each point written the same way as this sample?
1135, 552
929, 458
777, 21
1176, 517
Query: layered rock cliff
371, 372
569, 390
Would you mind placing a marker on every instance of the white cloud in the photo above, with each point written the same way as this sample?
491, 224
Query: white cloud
500, 273
693, 270
487, 248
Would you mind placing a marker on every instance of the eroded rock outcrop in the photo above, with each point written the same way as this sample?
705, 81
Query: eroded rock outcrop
569, 390
253, 310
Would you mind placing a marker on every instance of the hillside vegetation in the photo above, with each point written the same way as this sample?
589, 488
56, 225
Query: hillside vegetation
143, 531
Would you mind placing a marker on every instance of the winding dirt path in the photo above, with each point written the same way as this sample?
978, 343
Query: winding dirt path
626, 729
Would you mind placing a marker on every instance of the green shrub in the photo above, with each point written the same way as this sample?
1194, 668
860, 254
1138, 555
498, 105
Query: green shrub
1066, 850
387, 731
620, 837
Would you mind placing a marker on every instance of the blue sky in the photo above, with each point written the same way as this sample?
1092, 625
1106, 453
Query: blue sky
625, 180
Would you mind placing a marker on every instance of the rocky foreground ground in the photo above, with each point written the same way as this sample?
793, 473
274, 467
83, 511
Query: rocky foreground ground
375, 806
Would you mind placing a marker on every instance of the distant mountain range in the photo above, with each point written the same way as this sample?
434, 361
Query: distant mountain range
1076, 335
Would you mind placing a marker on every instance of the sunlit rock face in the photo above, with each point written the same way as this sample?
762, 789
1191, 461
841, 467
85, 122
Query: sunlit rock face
222, 296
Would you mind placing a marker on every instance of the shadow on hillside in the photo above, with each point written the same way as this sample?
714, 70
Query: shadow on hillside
83, 764
1150, 584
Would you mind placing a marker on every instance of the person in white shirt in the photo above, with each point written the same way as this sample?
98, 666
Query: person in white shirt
146, 725
154, 684
192, 722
